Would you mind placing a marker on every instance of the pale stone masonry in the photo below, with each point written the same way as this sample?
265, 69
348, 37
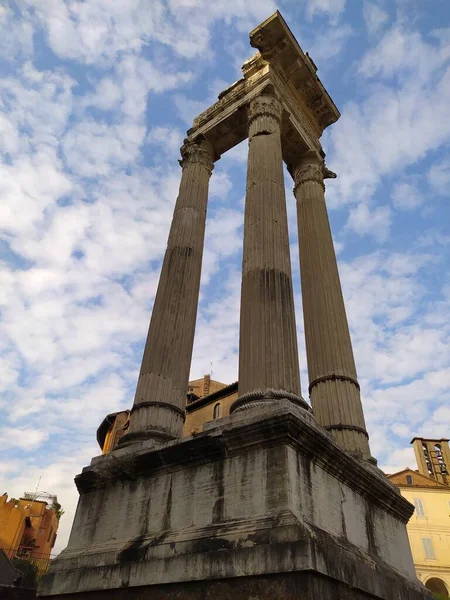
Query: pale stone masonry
333, 384
275, 501
268, 352
158, 410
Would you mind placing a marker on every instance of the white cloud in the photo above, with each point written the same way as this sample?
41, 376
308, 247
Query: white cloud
433, 238
220, 185
329, 44
23, 438
395, 125
397, 460
188, 109
166, 138
16, 38
365, 221
30, 187
404, 52
400, 429
217, 338
106, 96
439, 177
330, 8
94, 149
393, 339
100, 30
374, 16
406, 196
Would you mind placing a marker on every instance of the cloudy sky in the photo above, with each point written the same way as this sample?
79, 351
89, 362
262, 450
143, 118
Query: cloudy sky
95, 99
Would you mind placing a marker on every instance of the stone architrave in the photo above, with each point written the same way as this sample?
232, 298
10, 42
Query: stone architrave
158, 410
333, 388
268, 352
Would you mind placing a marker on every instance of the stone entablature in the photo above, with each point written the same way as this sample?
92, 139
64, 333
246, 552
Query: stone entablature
282, 64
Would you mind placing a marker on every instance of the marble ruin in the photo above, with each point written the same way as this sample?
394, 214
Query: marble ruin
276, 501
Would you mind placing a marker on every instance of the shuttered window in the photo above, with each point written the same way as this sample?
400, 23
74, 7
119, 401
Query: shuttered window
420, 512
428, 548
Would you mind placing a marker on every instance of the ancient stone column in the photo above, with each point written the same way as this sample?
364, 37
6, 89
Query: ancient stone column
268, 353
158, 411
334, 388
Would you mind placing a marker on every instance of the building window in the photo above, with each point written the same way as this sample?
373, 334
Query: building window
216, 412
420, 512
50, 534
428, 548
409, 479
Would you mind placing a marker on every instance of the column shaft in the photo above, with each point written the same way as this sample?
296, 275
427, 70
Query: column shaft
268, 353
334, 388
158, 411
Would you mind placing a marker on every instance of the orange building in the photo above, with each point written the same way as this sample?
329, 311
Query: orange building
28, 526
112, 428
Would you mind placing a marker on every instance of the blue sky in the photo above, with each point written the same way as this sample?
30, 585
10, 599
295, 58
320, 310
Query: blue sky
95, 100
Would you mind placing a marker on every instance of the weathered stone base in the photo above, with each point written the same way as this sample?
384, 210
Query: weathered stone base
262, 505
285, 586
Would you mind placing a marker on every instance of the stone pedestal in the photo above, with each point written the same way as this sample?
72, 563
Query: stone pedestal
263, 504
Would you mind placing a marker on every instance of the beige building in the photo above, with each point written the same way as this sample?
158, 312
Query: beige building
429, 528
210, 406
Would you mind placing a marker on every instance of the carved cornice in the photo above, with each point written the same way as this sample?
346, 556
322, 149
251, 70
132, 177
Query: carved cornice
278, 47
265, 105
197, 152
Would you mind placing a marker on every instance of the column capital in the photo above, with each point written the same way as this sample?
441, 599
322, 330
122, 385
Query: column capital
265, 105
310, 167
198, 151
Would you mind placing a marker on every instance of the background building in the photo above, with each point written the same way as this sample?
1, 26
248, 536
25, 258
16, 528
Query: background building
29, 525
206, 400
429, 527
112, 428
204, 407
28, 530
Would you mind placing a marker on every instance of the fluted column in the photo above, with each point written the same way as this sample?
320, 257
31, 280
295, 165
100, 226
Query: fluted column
334, 388
158, 410
268, 353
